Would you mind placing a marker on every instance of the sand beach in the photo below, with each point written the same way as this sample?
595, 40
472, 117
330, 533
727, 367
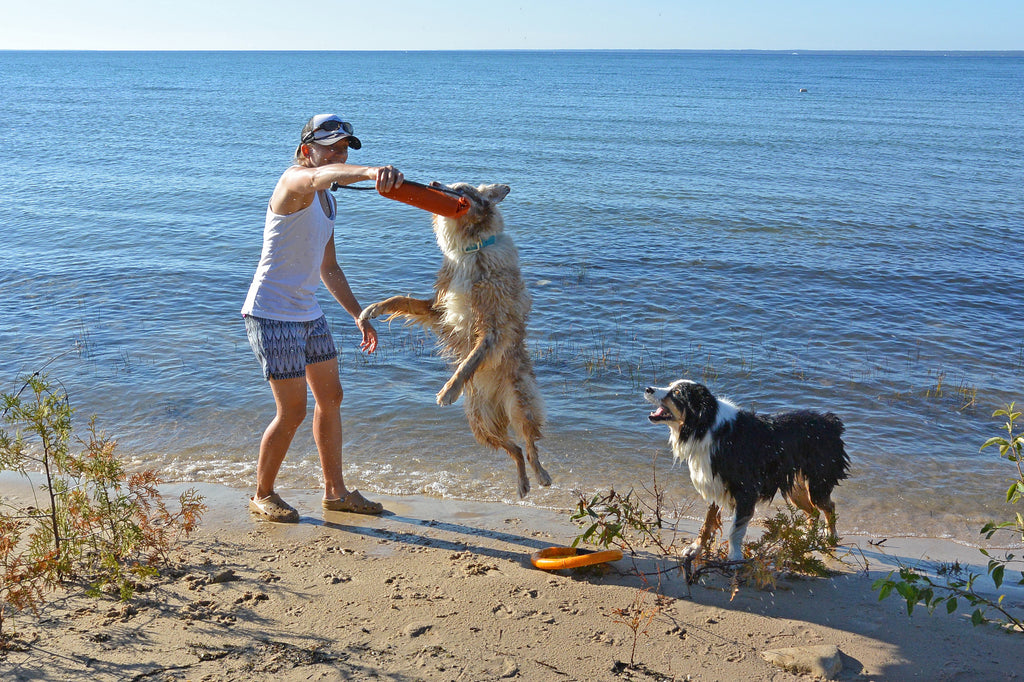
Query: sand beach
445, 590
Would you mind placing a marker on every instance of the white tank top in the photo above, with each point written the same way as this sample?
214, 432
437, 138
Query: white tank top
288, 275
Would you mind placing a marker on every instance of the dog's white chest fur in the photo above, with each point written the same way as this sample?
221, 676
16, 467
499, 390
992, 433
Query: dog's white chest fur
697, 454
457, 300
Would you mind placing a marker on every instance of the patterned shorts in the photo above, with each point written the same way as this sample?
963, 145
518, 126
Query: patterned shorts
285, 348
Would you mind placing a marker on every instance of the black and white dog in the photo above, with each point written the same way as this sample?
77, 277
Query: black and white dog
737, 458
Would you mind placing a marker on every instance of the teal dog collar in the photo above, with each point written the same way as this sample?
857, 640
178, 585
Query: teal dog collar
476, 246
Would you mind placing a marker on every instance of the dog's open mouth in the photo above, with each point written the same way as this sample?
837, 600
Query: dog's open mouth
660, 415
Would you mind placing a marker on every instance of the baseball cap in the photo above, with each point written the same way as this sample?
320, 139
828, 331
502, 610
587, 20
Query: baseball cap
326, 129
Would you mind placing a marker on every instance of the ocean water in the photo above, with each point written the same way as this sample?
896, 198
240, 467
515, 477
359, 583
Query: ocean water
855, 248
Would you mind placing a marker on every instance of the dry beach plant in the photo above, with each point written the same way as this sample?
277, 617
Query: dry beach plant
100, 527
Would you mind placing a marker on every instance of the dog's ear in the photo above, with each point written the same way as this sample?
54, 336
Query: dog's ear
705, 404
700, 403
494, 193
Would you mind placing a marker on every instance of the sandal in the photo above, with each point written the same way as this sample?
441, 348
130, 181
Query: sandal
273, 508
354, 503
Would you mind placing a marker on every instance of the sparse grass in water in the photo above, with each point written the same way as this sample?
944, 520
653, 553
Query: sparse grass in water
83, 341
578, 273
709, 374
407, 342
962, 394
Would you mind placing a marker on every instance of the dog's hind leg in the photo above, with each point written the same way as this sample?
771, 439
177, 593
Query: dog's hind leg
489, 421
800, 497
814, 503
823, 501
814, 500
828, 508
523, 484
526, 418
516, 453
543, 477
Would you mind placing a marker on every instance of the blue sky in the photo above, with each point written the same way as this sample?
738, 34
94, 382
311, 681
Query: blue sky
515, 24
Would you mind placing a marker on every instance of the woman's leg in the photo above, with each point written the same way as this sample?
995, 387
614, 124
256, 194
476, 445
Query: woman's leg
325, 384
290, 397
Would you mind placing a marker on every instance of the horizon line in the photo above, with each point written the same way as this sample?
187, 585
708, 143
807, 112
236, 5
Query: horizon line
793, 51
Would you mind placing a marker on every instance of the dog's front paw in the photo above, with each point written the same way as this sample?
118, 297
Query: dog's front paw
371, 312
735, 555
693, 550
448, 395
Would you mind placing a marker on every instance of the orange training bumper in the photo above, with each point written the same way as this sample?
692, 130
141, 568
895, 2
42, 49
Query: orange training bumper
555, 558
431, 199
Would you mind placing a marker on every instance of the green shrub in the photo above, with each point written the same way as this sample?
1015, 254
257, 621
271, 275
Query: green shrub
917, 587
103, 527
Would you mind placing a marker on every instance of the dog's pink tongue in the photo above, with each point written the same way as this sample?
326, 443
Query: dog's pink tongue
660, 412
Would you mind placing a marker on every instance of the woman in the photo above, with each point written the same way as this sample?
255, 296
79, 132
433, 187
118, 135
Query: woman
286, 327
